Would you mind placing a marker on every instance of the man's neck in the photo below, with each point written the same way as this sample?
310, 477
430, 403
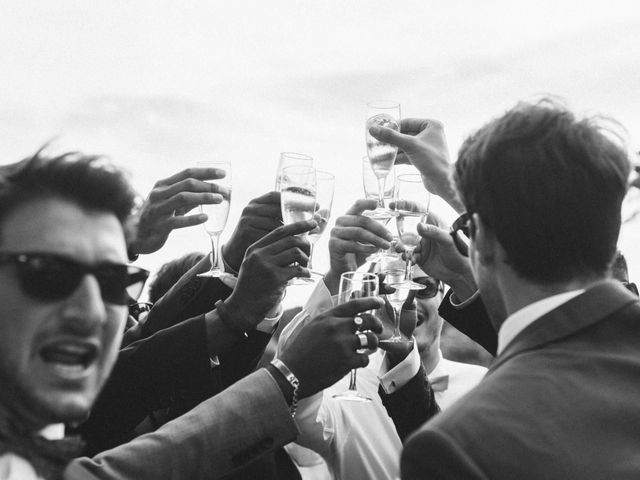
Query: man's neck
518, 292
430, 356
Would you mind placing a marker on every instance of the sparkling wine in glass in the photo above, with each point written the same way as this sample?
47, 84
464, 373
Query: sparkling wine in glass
288, 159
381, 215
217, 217
325, 186
381, 155
399, 291
355, 285
298, 198
411, 206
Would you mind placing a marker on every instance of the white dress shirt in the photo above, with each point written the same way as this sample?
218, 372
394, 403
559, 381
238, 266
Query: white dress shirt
15, 467
521, 319
357, 440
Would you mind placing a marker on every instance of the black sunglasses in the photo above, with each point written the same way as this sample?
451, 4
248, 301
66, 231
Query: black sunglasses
432, 287
50, 277
631, 287
461, 233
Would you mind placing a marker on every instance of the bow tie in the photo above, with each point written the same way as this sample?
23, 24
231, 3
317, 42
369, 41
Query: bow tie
439, 383
48, 457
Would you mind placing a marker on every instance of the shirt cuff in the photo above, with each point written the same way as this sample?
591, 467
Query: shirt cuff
467, 302
396, 378
270, 322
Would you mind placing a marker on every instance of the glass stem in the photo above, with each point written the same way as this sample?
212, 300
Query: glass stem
310, 264
407, 274
352, 381
381, 191
215, 253
396, 321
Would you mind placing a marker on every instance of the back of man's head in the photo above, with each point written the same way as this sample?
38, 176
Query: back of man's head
550, 186
86, 180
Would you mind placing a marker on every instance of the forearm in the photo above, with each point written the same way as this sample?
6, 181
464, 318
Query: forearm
220, 435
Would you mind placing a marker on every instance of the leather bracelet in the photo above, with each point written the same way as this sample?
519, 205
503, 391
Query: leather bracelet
293, 381
223, 313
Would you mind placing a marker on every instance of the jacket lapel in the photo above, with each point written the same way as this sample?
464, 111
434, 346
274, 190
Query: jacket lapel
596, 304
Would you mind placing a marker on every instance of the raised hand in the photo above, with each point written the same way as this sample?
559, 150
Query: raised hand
438, 256
353, 238
168, 203
261, 216
323, 350
423, 144
266, 269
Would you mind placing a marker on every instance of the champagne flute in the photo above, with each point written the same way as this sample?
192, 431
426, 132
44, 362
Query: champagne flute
217, 220
395, 281
325, 185
411, 205
380, 215
355, 285
381, 155
288, 159
298, 198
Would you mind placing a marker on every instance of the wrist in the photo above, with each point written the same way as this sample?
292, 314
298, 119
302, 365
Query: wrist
237, 315
332, 281
464, 287
287, 381
231, 263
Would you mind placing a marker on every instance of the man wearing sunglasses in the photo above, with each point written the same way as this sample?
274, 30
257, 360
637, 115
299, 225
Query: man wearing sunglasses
542, 190
64, 289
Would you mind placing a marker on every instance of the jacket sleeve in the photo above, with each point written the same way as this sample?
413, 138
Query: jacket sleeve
189, 297
150, 374
434, 455
472, 320
212, 440
410, 406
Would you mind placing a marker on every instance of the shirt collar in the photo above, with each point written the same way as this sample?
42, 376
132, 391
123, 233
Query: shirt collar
439, 377
521, 319
54, 431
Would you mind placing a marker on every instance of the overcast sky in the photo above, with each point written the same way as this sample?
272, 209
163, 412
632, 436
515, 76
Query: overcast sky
159, 85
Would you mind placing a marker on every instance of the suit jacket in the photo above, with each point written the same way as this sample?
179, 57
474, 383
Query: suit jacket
171, 366
410, 406
472, 320
560, 402
209, 442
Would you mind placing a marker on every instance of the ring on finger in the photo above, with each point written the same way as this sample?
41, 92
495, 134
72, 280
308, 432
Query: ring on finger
363, 339
357, 321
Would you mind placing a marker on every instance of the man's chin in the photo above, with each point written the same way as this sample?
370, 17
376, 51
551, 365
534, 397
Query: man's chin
63, 407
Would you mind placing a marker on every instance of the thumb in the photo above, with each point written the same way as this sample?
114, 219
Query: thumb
388, 135
434, 233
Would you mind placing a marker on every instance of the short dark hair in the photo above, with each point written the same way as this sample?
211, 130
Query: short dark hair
550, 186
169, 274
90, 181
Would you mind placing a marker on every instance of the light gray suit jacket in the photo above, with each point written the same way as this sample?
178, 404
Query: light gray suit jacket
221, 434
561, 402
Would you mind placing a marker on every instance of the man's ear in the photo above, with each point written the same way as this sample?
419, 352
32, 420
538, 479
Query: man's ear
484, 240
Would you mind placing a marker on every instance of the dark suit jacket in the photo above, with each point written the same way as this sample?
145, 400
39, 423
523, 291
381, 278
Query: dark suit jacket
171, 366
213, 440
471, 320
410, 406
561, 402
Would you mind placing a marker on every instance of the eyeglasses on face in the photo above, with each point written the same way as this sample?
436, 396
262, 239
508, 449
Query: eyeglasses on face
52, 277
432, 287
631, 287
461, 233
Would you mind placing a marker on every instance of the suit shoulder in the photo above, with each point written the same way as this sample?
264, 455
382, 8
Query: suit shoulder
446, 458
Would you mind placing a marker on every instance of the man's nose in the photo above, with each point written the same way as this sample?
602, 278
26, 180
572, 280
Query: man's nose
85, 307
